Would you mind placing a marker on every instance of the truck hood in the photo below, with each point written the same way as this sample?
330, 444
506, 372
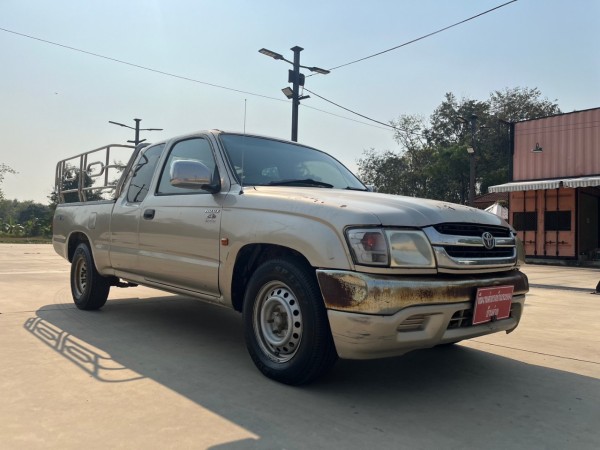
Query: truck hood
374, 208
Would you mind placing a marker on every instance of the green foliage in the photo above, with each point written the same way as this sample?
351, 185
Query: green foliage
518, 104
385, 171
70, 181
25, 218
20, 219
433, 161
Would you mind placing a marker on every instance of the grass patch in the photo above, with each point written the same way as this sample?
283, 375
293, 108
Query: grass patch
25, 240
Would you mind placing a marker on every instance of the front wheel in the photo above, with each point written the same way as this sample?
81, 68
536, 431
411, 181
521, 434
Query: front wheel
286, 328
89, 288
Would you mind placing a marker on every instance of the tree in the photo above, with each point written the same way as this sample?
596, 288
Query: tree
433, 161
384, 170
514, 105
70, 181
24, 218
4, 169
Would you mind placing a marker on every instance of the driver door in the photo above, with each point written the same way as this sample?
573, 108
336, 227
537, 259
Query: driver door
179, 228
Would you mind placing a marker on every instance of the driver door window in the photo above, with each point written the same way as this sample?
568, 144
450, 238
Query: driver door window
190, 150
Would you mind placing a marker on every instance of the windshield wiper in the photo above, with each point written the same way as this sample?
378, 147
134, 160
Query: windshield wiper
350, 188
300, 182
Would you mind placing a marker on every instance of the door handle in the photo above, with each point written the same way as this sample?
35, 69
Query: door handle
149, 214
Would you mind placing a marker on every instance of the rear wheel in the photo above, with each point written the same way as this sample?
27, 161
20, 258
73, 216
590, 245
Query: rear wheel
286, 327
89, 288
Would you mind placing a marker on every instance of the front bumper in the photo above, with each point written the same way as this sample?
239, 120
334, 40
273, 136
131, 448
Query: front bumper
374, 316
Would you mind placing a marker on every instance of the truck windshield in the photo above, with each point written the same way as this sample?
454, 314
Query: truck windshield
267, 162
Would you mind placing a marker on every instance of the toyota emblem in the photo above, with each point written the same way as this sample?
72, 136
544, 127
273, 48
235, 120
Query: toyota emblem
488, 240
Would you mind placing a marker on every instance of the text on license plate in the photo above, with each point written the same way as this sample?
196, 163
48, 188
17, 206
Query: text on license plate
492, 303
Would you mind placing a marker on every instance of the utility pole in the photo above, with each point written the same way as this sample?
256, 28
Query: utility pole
473, 122
511, 146
137, 130
297, 80
471, 151
294, 78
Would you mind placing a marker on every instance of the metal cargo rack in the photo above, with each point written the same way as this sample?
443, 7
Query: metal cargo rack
91, 176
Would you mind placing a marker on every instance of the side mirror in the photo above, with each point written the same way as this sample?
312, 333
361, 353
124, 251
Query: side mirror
189, 174
371, 187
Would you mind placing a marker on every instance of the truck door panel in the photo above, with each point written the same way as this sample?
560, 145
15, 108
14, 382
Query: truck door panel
179, 228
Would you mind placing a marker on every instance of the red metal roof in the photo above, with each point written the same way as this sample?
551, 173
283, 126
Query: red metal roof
565, 145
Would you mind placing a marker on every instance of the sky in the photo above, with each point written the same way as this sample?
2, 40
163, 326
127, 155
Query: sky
56, 102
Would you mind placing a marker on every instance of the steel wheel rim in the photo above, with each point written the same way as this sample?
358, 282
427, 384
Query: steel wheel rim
81, 276
277, 321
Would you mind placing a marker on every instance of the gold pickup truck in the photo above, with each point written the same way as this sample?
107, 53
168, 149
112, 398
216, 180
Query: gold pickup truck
319, 266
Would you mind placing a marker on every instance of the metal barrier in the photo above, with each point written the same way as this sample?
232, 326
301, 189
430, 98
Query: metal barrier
93, 175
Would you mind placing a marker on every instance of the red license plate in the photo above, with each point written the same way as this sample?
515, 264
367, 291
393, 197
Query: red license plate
492, 303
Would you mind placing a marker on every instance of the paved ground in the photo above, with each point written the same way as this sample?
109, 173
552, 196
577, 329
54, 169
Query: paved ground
159, 371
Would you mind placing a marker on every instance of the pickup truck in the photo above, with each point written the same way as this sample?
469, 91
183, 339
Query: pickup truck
319, 266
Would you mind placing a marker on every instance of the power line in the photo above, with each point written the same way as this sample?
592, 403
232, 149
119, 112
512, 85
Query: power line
161, 72
349, 110
142, 67
266, 96
363, 116
389, 50
422, 37
343, 117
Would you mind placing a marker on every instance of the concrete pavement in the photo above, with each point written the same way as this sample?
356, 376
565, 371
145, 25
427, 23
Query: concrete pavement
558, 277
560, 327
152, 370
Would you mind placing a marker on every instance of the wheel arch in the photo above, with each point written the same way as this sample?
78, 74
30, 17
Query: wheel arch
75, 239
249, 258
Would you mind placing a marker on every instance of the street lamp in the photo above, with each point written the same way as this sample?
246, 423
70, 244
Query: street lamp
297, 80
137, 130
288, 92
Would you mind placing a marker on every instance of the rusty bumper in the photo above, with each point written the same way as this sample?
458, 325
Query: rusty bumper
384, 294
374, 316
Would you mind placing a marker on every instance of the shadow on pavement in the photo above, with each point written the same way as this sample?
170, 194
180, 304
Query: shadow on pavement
93, 361
454, 397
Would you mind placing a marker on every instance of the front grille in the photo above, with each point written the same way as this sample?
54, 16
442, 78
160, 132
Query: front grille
467, 229
463, 246
478, 252
461, 319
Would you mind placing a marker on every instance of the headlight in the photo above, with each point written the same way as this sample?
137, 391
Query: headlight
391, 248
369, 246
410, 249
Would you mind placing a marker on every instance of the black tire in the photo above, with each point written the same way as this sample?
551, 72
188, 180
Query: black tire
89, 288
294, 351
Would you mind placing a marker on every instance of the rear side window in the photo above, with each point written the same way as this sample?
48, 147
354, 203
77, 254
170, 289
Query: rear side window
197, 149
142, 173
